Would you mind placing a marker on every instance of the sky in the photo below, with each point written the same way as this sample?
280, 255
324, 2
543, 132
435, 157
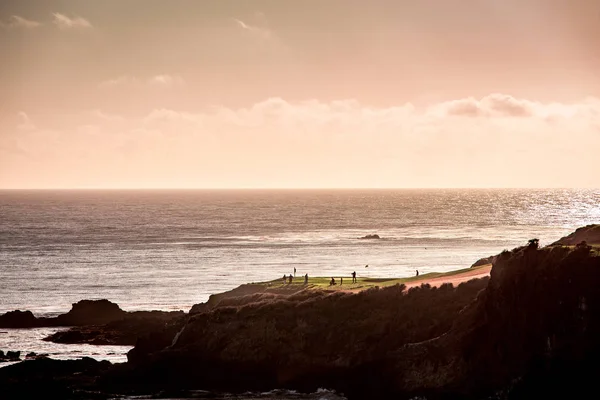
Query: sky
299, 94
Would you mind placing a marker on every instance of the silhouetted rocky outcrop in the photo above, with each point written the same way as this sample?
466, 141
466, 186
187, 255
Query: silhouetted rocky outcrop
84, 312
373, 236
18, 319
10, 356
531, 330
45, 378
125, 331
536, 319
306, 340
589, 234
95, 322
484, 261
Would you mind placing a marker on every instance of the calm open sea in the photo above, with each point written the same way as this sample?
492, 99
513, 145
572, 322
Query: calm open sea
171, 249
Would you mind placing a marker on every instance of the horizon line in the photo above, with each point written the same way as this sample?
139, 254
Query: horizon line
292, 188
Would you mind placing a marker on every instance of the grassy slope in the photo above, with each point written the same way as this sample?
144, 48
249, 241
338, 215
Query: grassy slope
362, 283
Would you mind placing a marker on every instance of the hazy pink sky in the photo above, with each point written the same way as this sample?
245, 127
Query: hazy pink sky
452, 93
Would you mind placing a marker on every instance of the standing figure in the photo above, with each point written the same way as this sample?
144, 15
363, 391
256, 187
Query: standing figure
306, 279
284, 279
417, 273
354, 277
290, 280
294, 271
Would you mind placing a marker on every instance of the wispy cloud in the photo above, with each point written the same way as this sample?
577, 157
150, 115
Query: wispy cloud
162, 80
166, 80
64, 22
255, 30
16, 22
119, 81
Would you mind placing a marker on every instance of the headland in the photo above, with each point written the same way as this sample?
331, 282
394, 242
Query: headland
525, 326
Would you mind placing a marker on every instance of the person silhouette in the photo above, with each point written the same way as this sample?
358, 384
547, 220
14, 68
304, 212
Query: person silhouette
417, 272
290, 279
341, 281
332, 282
354, 277
294, 271
306, 279
284, 278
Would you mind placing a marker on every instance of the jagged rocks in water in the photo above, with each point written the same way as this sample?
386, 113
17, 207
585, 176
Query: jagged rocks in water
373, 236
10, 356
125, 331
18, 319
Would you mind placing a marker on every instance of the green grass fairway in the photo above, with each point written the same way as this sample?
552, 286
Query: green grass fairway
319, 282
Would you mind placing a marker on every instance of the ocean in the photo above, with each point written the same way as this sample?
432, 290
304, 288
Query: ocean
170, 249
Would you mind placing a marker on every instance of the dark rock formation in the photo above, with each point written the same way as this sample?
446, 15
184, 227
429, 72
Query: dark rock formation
91, 312
307, 340
536, 320
45, 378
125, 331
35, 356
95, 322
10, 356
589, 234
532, 330
84, 312
374, 236
247, 294
484, 261
18, 319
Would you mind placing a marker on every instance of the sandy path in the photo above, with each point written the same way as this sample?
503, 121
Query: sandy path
454, 279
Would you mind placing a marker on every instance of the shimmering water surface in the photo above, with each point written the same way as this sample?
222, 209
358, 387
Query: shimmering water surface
171, 249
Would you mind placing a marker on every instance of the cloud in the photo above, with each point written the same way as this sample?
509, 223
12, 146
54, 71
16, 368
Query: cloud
254, 30
165, 80
495, 141
493, 105
16, 22
119, 81
162, 80
63, 22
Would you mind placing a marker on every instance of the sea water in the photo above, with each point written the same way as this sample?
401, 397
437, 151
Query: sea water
169, 249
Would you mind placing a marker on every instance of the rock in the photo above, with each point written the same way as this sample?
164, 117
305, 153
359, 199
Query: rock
84, 312
305, 341
484, 261
18, 319
33, 356
46, 378
125, 331
534, 324
10, 356
589, 234
91, 312
531, 330
374, 236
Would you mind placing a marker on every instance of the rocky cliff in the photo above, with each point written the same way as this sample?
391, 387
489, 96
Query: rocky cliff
536, 318
531, 330
589, 234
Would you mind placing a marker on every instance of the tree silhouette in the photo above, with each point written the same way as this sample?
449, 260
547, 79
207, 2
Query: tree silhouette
533, 243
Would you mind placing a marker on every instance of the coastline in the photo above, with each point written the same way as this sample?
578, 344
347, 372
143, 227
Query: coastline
509, 327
